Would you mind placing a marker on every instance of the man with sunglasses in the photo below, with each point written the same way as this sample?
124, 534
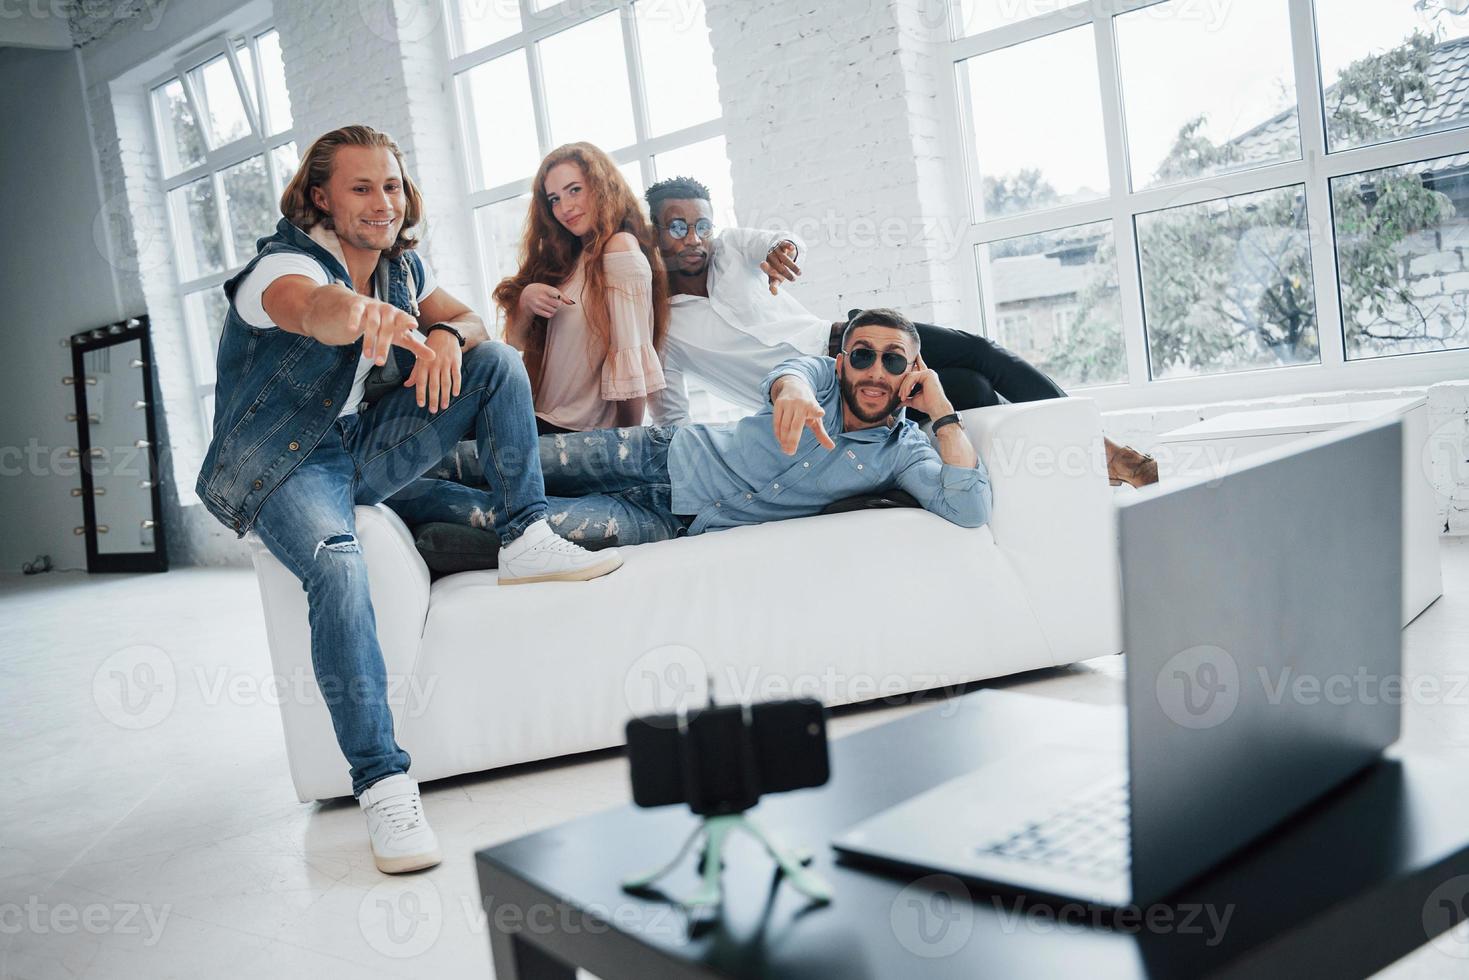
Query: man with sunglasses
730, 323
830, 429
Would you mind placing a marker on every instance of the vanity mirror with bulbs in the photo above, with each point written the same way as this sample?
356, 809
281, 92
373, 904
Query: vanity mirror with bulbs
117, 448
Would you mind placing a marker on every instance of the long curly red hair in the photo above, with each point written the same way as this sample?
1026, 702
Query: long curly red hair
549, 252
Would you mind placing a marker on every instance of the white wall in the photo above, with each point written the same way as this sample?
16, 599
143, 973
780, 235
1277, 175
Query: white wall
833, 113
55, 281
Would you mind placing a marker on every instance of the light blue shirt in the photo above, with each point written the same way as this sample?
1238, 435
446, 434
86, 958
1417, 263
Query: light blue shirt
735, 473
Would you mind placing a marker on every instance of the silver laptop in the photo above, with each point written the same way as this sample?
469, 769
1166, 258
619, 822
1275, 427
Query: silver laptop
1235, 587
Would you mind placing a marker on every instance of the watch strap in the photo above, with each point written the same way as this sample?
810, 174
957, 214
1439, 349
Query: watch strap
952, 417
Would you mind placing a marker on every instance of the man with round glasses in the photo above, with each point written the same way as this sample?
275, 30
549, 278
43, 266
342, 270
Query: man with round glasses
730, 324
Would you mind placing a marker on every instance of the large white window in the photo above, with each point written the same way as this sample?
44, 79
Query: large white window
1234, 199
634, 77
222, 118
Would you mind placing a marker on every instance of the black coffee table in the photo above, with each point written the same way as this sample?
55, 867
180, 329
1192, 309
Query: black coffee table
1365, 876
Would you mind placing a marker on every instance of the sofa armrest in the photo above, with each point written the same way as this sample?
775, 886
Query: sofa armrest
399, 581
1054, 517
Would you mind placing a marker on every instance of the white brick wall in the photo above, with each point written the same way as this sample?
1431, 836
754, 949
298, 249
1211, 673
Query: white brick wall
832, 120
382, 63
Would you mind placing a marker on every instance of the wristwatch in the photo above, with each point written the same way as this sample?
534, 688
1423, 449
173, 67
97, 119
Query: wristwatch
951, 418
448, 327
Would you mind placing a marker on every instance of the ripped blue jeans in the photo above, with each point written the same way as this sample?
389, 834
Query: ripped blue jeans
309, 524
604, 488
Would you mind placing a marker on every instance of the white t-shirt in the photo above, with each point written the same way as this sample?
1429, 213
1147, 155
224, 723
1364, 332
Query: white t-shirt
272, 267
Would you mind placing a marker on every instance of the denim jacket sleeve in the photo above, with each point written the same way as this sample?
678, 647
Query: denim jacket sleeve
956, 494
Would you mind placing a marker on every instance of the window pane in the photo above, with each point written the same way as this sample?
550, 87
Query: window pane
247, 68
1392, 68
204, 315
678, 64
599, 113
1052, 298
200, 246
500, 227
974, 16
1036, 118
1206, 97
183, 145
224, 113
273, 70
1402, 235
500, 120
483, 22
1227, 284
286, 162
250, 205
705, 162
632, 172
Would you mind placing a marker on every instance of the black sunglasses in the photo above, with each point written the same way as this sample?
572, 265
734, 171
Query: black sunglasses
862, 358
678, 228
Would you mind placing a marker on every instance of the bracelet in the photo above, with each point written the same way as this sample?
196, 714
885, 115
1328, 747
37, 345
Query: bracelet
784, 241
448, 327
951, 418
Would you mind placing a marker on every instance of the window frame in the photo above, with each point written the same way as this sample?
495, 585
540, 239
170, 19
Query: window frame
537, 26
216, 161
1314, 170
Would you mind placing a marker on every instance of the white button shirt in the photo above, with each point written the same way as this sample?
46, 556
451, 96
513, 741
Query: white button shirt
734, 337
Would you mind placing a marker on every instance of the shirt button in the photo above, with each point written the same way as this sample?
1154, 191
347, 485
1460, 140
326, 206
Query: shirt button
806, 466
775, 486
749, 496
257, 484
294, 446
859, 466
718, 504
327, 402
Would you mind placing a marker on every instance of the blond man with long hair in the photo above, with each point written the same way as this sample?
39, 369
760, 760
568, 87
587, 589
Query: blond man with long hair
589, 304
337, 295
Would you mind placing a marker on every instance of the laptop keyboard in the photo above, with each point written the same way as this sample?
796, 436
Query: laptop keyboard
1088, 835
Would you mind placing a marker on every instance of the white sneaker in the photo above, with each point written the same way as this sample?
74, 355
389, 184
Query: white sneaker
541, 555
401, 837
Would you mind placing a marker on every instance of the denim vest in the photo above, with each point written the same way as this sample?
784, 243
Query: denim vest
277, 393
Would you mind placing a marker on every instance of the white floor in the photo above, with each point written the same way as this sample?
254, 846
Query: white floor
162, 837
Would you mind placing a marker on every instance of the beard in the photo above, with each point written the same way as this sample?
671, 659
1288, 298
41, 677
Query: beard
849, 398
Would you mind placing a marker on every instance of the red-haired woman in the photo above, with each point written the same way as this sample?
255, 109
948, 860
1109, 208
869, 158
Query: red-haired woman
589, 305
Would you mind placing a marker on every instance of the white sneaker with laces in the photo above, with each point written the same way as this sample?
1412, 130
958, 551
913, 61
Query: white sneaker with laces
402, 840
541, 555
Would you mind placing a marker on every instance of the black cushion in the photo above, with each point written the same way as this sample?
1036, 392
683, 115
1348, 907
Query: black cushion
872, 501
450, 548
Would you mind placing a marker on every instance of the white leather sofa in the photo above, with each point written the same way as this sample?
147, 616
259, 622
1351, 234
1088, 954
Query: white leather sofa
846, 607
